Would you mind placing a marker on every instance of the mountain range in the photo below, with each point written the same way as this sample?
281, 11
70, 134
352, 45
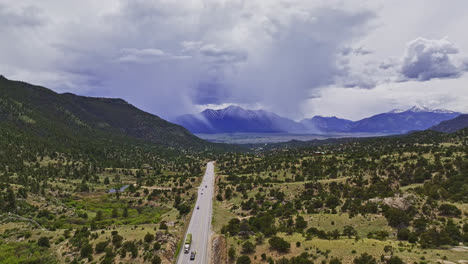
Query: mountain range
235, 119
69, 120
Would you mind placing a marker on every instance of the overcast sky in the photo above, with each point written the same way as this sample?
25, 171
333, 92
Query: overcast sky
298, 58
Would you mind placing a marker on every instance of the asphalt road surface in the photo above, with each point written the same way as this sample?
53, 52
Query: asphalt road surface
200, 224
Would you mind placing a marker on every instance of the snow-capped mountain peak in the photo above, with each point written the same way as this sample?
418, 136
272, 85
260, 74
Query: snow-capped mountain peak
417, 109
421, 109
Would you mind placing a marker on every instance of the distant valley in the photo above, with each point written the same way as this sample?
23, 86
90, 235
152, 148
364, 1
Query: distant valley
267, 138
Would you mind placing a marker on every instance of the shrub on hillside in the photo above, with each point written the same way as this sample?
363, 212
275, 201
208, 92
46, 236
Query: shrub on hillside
279, 244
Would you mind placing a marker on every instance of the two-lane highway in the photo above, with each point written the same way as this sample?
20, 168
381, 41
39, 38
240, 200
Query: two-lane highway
200, 223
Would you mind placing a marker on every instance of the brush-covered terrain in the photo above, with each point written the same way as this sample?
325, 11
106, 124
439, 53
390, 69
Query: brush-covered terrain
66, 209
384, 200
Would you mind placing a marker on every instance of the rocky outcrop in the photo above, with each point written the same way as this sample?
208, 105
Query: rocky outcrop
219, 250
400, 202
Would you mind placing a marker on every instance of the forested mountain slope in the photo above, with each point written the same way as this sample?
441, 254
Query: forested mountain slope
61, 155
70, 118
452, 125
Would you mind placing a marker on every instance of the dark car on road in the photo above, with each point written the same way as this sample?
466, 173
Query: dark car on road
192, 255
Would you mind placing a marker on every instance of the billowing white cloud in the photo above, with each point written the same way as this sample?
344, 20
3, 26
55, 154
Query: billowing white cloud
423, 60
426, 59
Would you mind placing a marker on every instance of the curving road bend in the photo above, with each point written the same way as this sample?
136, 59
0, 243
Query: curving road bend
200, 223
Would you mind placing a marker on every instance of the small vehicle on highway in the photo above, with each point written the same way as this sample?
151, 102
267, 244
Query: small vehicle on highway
206, 186
201, 193
198, 207
192, 255
188, 242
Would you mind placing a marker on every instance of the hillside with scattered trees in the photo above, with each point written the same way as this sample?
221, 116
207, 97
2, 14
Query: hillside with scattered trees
398, 199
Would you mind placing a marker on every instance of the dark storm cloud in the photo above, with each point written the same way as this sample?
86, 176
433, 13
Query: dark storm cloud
301, 56
171, 57
280, 60
210, 92
167, 56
